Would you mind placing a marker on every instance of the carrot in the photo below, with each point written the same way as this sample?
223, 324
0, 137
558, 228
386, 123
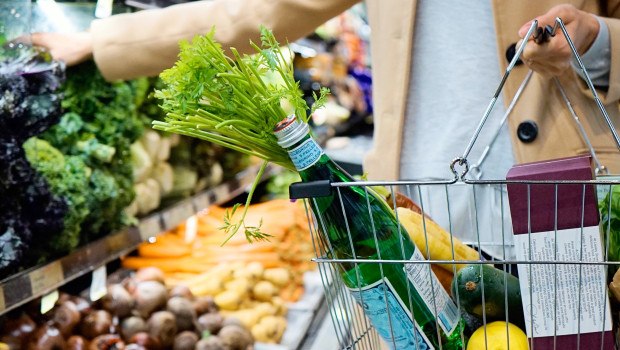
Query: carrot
292, 293
161, 250
181, 275
218, 236
211, 249
208, 223
183, 264
269, 259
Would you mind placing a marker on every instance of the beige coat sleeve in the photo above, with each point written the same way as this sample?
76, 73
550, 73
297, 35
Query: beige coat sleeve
612, 95
613, 92
145, 43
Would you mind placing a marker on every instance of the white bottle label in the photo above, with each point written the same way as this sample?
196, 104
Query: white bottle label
431, 291
306, 154
399, 331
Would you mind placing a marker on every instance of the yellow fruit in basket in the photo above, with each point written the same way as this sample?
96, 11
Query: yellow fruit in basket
496, 337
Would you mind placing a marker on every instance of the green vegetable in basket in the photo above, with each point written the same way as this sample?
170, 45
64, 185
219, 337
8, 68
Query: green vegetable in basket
233, 101
500, 290
609, 208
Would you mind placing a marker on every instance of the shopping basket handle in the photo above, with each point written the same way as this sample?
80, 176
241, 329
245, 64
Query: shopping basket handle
540, 35
463, 159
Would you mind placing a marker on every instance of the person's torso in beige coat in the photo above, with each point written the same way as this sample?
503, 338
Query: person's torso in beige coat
128, 46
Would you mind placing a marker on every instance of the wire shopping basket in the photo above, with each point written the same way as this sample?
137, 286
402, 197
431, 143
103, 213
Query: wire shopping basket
544, 281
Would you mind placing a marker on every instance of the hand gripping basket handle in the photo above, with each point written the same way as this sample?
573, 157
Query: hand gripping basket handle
462, 161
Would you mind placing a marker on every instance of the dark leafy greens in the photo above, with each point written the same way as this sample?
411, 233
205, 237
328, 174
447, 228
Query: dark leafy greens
29, 104
99, 125
68, 178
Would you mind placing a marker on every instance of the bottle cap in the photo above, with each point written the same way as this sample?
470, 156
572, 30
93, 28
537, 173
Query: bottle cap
290, 130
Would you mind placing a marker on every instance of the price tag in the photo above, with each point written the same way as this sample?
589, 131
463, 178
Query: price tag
191, 228
150, 227
2, 304
48, 301
98, 286
45, 278
177, 215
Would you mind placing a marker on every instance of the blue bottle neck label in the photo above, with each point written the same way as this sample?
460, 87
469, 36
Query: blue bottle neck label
399, 330
306, 154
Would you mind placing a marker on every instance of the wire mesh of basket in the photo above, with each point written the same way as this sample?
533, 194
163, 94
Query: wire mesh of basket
562, 273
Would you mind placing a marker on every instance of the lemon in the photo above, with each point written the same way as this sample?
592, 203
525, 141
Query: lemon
496, 337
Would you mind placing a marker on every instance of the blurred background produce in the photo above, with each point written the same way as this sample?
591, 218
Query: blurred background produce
80, 164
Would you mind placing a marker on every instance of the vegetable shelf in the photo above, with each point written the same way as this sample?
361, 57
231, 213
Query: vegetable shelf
38, 281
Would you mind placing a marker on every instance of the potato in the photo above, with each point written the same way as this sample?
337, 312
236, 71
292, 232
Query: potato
279, 276
228, 300
264, 291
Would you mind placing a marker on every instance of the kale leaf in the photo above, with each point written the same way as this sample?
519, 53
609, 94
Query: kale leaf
99, 125
68, 177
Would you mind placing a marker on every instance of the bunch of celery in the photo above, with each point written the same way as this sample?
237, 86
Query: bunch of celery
233, 102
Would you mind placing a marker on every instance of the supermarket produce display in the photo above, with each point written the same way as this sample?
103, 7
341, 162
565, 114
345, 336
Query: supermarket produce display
156, 213
98, 186
101, 164
40, 280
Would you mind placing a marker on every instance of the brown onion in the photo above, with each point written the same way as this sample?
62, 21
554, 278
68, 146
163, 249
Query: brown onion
149, 274
65, 317
145, 340
181, 290
132, 325
17, 329
96, 323
83, 306
46, 338
162, 325
107, 342
150, 296
77, 342
118, 301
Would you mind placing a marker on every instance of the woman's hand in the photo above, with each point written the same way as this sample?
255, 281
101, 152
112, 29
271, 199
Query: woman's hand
72, 48
553, 57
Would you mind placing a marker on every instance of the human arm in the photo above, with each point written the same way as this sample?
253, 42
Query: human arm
72, 48
144, 43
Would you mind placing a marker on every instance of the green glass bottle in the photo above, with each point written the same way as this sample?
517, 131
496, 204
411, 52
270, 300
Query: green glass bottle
382, 289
